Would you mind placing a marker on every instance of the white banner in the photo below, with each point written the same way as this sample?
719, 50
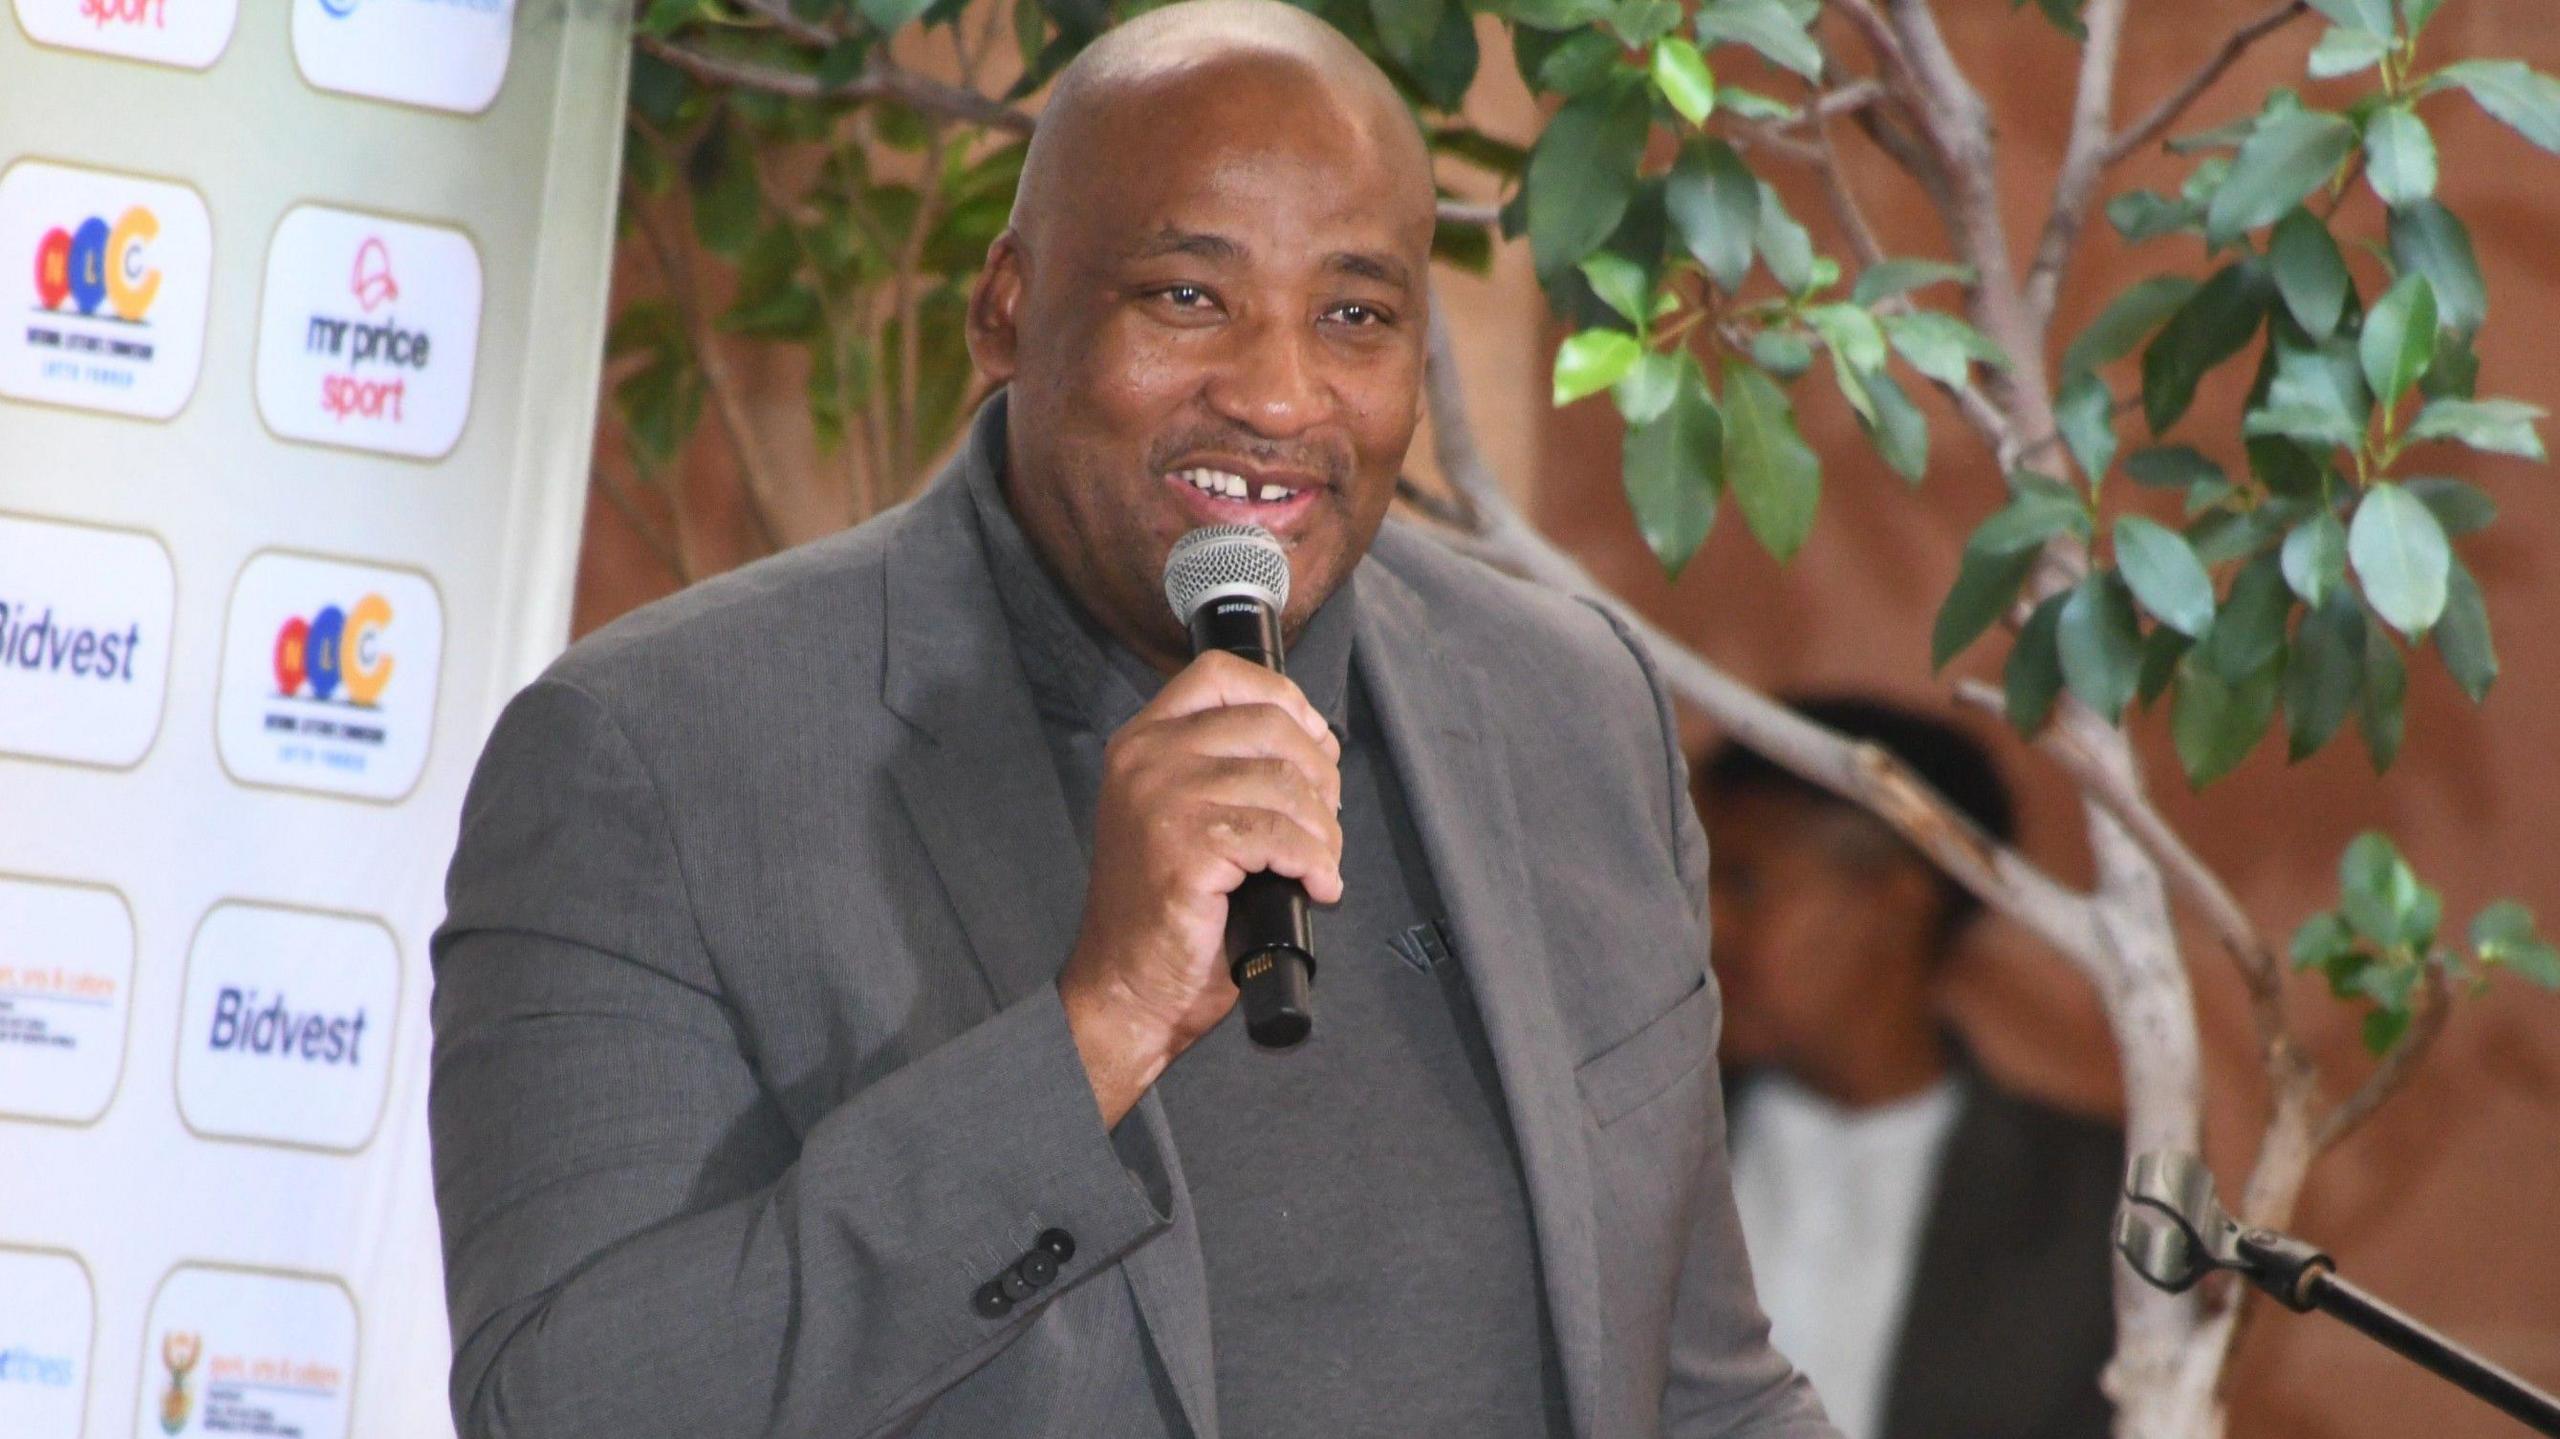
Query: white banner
301, 312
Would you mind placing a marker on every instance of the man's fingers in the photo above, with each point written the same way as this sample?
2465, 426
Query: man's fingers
1218, 680
1262, 839
1258, 732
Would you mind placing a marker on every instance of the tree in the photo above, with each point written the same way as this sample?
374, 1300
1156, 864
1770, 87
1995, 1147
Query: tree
2290, 598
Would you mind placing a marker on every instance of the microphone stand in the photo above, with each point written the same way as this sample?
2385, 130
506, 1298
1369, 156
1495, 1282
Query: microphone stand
2174, 1231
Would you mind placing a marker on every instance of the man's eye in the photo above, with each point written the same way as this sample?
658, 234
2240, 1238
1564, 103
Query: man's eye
1186, 297
1357, 313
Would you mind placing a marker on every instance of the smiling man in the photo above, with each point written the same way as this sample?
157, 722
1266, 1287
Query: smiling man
833, 1033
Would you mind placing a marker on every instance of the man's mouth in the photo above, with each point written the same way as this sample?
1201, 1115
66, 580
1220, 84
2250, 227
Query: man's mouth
1278, 500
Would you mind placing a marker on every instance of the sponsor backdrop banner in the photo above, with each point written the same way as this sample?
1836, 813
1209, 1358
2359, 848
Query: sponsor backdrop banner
301, 308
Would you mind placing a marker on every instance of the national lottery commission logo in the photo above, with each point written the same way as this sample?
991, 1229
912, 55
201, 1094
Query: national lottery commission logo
106, 286
369, 332
187, 33
329, 675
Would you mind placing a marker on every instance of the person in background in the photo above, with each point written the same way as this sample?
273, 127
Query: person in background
1932, 1249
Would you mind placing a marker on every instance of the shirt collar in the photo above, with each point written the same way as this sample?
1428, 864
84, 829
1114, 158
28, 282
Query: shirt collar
1077, 672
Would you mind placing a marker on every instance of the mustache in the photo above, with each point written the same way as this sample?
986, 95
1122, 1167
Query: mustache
1330, 461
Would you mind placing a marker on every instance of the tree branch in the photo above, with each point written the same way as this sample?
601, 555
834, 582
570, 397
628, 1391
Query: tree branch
2083, 157
2161, 116
659, 542
2430, 1007
881, 81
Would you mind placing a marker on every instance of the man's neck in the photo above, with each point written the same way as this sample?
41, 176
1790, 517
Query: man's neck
1875, 1064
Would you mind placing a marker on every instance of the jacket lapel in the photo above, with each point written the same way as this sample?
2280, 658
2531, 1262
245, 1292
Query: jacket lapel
983, 793
1455, 774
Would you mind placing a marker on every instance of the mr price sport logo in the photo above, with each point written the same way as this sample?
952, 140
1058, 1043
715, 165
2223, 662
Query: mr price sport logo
91, 264
369, 331
363, 342
332, 651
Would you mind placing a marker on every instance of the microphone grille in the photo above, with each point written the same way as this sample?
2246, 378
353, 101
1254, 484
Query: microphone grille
1216, 560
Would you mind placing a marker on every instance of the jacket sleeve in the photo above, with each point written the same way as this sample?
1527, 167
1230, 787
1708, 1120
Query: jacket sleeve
1724, 1380
637, 1241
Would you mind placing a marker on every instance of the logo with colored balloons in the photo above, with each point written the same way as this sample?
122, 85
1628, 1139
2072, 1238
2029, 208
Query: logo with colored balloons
337, 656
97, 265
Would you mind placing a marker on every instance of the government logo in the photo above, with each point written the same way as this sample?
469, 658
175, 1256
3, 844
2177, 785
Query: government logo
102, 298
190, 34
369, 332
85, 617
285, 1035
245, 1352
329, 676
47, 1312
66, 982
443, 54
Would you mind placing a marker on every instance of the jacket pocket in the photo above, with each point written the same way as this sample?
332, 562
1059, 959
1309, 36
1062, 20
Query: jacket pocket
1667, 1049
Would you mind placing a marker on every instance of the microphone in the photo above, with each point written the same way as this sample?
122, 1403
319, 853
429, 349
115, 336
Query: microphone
1229, 584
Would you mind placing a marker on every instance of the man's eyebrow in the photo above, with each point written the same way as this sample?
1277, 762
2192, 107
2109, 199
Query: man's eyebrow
1198, 244
1385, 269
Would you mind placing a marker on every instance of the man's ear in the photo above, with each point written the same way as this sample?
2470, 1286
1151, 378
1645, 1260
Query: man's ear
994, 303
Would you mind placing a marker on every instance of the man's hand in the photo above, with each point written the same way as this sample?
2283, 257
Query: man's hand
1229, 771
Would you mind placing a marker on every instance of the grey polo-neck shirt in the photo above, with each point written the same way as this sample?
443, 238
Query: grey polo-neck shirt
1362, 1216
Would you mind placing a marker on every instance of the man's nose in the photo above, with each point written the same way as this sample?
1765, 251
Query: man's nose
1271, 381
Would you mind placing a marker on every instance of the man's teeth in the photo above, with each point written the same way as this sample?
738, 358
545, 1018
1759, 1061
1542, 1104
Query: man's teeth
1233, 487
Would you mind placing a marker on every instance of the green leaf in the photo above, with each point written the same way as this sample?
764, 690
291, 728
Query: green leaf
2430, 239
1592, 361
1986, 586
2504, 933
2383, 1028
2380, 894
2459, 507
1765, 26
1941, 346
2315, 558
2289, 155
2033, 679
2140, 215
2502, 427
2456, 373
2126, 322
728, 210
2400, 553
2371, 16
2310, 273
2382, 716
2250, 629
1583, 64
1776, 479
1405, 27
2214, 324
1888, 278
2323, 427
2523, 98
2323, 673
1783, 353
2462, 636
1552, 14
2174, 467
2164, 574
2328, 378
1783, 243
1675, 471
1581, 175
2162, 649
1640, 23
2040, 509
2418, 13
2399, 338
2400, 156
1620, 283
1647, 390
1900, 431
1681, 74
2322, 940
890, 16
2101, 644
2344, 52
1714, 202
1850, 331
2085, 412
2215, 723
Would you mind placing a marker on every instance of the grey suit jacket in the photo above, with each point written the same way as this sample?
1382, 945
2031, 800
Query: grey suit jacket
750, 1069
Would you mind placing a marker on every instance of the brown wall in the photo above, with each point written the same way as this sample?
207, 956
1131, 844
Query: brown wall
2444, 1202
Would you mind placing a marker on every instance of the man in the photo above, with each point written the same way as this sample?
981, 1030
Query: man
1932, 1249
832, 1027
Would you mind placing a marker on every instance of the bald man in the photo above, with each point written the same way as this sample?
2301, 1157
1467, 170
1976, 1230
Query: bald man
832, 1027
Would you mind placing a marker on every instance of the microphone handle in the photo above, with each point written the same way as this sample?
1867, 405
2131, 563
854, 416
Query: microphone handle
1270, 936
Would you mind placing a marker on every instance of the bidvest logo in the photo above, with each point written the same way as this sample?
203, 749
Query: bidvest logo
286, 1034
369, 332
45, 1338
102, 296
85, 616
237, 1351
444, 54
66, 980
190, 34
329, 676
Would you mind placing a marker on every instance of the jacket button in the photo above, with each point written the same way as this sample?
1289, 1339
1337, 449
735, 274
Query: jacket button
1014, 1286
1058, 1244
991, 1300
1037, 1267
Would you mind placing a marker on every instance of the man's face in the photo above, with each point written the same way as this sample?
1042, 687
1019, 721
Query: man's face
1221, 320
1820, 919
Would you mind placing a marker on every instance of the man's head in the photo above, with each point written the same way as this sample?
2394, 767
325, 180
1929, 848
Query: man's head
1216, 273
1829, 927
